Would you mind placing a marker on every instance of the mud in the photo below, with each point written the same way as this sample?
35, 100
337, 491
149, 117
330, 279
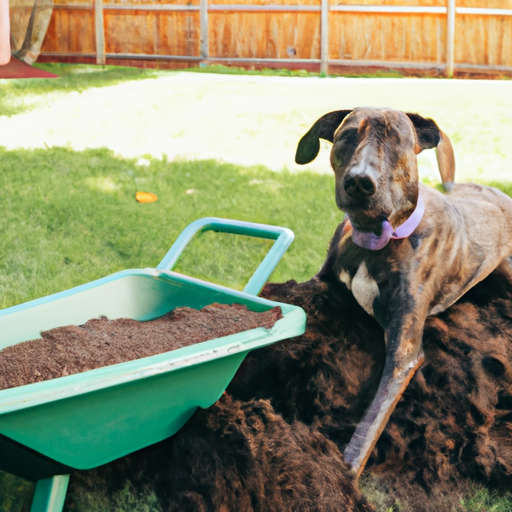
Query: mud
101, 342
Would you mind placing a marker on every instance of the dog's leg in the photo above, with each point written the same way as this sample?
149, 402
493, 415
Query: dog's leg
403, 357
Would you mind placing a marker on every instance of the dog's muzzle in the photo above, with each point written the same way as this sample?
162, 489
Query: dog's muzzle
376, 242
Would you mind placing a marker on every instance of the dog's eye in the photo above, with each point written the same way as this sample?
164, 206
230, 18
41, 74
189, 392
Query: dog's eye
345, 146
349, 138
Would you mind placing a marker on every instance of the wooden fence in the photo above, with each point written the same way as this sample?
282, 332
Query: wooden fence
444, 35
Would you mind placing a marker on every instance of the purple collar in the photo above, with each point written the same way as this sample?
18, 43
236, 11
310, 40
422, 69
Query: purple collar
375, 243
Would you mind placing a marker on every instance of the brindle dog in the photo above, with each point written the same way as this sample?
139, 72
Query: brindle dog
400, 265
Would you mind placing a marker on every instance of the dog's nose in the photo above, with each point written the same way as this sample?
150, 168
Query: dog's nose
359, 186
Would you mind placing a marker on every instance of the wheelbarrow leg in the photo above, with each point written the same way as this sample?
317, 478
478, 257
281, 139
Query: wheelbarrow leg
50, 494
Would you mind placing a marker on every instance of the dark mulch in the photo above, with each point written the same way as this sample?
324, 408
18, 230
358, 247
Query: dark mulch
233, 457
455, 418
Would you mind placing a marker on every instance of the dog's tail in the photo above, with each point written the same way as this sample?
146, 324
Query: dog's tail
431, 136
446, 161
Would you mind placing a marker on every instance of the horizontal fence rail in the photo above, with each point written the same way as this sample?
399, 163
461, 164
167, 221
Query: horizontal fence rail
450, 11
160, 7
384, 9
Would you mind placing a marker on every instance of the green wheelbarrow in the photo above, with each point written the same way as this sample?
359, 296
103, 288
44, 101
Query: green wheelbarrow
82, 421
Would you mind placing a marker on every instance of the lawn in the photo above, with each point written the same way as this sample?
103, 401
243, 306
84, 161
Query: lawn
68, 215
246, 120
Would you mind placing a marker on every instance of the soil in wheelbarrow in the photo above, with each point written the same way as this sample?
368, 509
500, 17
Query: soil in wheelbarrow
102, 342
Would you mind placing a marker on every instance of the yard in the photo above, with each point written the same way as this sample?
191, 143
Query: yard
78, 148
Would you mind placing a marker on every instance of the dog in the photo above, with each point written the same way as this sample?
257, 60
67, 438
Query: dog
404, 250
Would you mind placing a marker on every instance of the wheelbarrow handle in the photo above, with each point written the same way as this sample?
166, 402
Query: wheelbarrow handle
283, 238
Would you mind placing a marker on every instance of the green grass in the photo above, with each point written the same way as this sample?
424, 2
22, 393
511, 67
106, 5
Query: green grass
483, 500
19, 95
127, 499
461, 496
15, 493
233, 70
256, 121
68, 217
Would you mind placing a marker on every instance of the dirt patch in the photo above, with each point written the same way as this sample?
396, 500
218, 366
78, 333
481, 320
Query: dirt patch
101, 342
455, 418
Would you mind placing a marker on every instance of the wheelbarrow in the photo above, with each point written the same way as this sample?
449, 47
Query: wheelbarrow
82, 421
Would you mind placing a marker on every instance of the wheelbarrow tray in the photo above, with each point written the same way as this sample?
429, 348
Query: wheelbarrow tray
85, 420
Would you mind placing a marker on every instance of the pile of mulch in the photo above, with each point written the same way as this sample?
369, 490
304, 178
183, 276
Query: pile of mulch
233, 457
454, 420
101, 342
453, 425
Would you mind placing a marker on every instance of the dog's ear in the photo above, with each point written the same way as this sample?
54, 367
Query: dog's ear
324, 128
427, 131
431, 136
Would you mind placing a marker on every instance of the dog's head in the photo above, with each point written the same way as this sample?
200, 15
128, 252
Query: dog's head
374, 160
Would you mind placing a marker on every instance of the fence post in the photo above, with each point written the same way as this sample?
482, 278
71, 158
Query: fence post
324, 37
100, 32
450, 38
204, 29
